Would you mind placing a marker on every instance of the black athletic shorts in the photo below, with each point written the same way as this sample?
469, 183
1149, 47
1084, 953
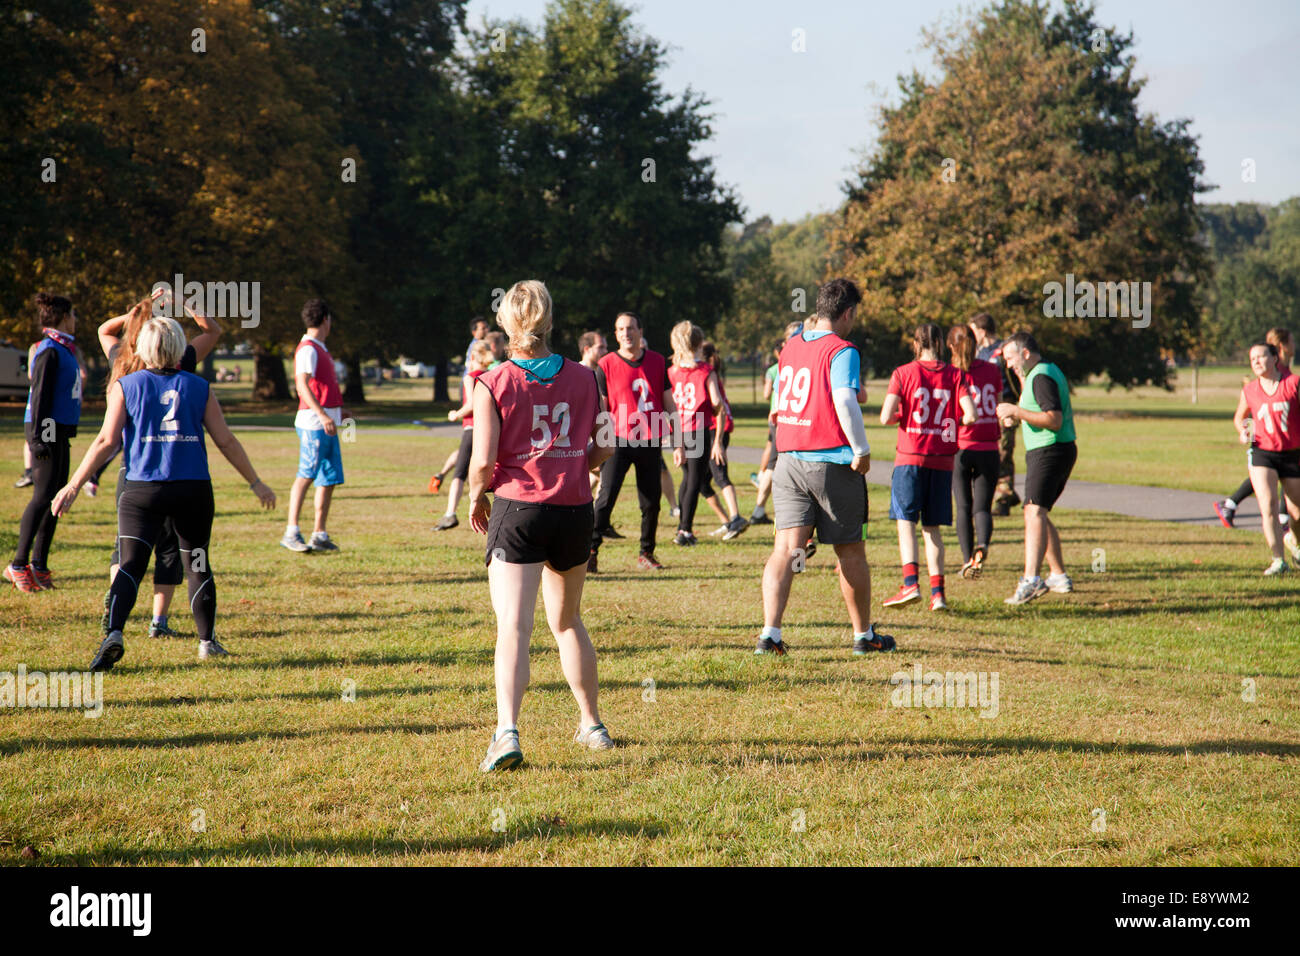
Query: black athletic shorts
1285, 463
463, 454
528, 532
1047, 469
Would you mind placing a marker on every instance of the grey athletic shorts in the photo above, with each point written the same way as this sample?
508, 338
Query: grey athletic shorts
830, 498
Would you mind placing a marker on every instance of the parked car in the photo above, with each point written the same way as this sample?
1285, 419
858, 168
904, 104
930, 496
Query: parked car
416, 370
13, 372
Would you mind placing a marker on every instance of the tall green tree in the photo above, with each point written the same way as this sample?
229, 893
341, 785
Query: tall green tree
594, 183
1024, 160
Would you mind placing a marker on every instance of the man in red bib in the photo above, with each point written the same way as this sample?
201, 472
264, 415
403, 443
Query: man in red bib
820, 473
320, 412
634, 384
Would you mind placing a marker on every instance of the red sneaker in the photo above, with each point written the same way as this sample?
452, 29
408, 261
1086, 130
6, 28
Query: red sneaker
22, 579
907, 593
43, 579
648, 562
937, 603
434, 484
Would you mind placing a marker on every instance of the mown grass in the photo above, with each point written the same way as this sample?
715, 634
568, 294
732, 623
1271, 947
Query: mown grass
1126, 697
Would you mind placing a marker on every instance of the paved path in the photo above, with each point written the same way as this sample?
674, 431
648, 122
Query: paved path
1138, 501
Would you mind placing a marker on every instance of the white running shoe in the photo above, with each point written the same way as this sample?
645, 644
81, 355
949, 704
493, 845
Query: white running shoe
1277, 567
504, 753
594, 738
210, 648
1292, 545
1027, 590
734, 527
1060, 583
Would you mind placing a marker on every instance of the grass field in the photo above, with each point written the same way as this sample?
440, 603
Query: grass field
1125, 699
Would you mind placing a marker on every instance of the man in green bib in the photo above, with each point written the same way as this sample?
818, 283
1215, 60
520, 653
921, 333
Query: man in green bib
1047, 430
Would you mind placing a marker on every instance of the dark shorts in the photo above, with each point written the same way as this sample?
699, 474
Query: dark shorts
1285, 463
528, 532
917, 493
463, 453
1047, 469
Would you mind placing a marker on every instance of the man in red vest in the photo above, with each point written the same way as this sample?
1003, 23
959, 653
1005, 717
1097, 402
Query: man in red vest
320, 412
820, 478
634, 384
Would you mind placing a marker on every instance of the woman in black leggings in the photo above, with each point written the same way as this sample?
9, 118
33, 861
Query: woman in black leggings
53, 411
975, 466
117, 338
159, 415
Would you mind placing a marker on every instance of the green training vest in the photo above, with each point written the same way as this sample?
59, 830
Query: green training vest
1042, 437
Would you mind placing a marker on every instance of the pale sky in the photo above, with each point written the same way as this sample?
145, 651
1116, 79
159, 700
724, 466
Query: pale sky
788, 125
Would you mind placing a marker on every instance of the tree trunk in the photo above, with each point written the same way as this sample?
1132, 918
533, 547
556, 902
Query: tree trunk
355, 390
269, 381
440, 393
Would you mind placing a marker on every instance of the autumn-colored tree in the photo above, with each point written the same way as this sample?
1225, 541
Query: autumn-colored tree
1025, 160
188, 142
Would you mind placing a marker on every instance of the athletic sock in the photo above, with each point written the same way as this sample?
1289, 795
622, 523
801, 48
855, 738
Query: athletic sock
759, 511
1284, 519
868, 635
293, 529
772, 633
909, 575
1229, 504
936, 584
160, 620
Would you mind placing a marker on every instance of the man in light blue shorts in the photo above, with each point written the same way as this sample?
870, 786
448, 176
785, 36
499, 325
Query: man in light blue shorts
320, 412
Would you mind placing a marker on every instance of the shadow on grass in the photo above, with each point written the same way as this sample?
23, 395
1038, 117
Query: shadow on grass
198, 740
270, 848
846, 750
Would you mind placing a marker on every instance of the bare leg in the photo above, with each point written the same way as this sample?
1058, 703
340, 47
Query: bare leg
712, 502
514, 597
907, 542
562, 595
162, 599
666, 486
324, 494
733, 503
1055, 561
933, 549
855, 583
297, 493
778, 573
1035, 539
1264, 481
454, 491
764, 487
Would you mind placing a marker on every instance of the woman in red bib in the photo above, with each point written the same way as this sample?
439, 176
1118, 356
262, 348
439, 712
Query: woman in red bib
927, 398
975, 466
699, 403
535, 441
1272, 403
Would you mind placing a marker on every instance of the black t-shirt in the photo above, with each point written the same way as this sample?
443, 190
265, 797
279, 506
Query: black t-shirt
1046, 394
190, 360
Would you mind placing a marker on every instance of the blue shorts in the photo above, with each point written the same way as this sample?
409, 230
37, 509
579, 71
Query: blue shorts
920, 493
319, 457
